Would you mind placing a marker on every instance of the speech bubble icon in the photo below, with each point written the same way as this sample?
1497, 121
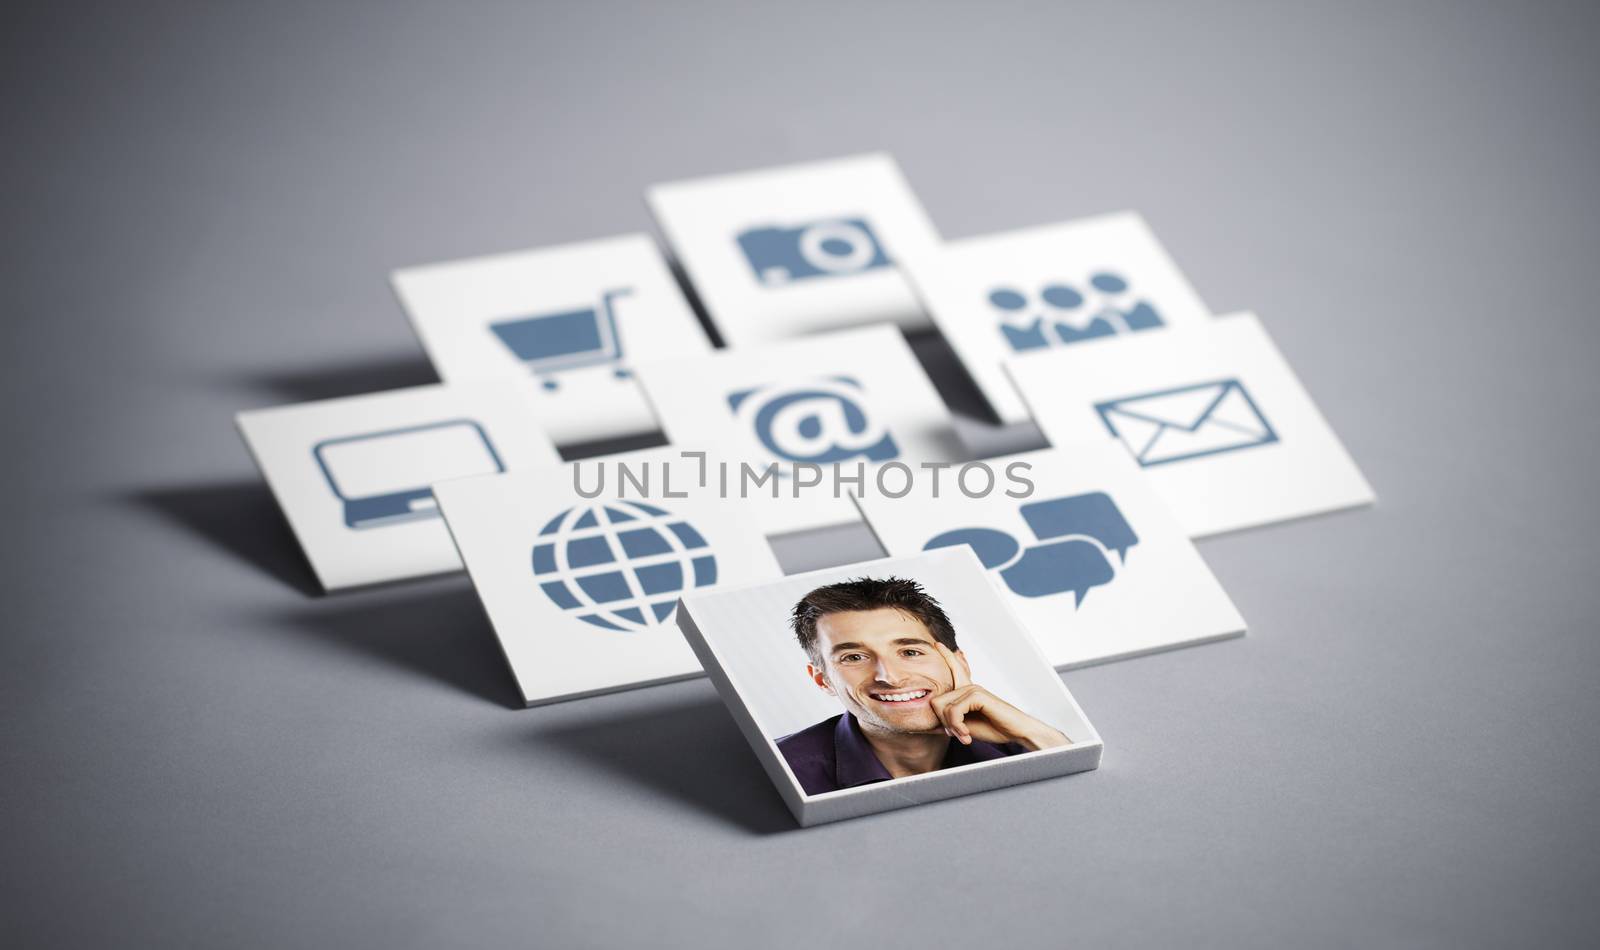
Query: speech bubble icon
1060, 566
1092, 515
994, 548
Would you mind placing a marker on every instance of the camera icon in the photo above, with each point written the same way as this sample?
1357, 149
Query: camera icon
820, 249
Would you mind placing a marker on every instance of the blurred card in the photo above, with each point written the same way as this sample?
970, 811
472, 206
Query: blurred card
575, 317
1048, 287
798, 249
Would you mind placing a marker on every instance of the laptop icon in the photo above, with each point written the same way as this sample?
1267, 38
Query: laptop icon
384, 477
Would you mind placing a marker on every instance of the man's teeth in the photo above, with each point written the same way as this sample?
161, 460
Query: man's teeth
900, 697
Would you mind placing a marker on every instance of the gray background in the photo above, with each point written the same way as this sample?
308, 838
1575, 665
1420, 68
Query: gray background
200, 209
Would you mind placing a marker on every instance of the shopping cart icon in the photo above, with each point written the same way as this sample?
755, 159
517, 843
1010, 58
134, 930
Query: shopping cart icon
552, 343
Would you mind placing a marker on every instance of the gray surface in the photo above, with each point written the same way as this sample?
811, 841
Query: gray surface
200, 211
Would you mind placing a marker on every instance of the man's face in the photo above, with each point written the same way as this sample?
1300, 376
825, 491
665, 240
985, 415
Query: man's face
884, 666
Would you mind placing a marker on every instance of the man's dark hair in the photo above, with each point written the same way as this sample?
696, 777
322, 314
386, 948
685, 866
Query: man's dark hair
868, 593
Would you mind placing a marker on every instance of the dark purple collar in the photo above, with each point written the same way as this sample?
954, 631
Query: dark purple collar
854, 762
835, 754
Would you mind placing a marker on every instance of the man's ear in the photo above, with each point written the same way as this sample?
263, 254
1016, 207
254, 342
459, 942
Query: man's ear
820, 678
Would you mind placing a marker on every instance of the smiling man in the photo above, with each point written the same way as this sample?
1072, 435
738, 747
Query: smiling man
887, 652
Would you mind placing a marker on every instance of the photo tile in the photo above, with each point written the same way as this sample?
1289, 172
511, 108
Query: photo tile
887, 684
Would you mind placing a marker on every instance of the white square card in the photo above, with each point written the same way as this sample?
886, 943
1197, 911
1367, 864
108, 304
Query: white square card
579, 567
798, 249
354, 475
1213, 414
574, 316
857, 398
1044, 287
1075, 540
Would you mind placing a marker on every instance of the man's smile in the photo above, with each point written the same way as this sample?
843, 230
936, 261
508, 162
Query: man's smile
903, 696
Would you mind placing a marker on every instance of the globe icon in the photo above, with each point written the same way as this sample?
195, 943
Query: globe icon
620, 565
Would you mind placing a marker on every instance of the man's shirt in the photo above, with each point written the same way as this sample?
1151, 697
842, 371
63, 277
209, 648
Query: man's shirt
833, 754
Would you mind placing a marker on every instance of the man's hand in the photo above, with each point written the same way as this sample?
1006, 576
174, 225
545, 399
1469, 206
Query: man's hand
970, 712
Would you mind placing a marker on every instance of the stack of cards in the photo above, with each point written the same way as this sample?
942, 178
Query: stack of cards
866, 686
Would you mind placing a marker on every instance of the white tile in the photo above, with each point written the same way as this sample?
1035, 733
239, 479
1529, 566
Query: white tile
798, 249
1045, 287
1078, 544
580, 589
857, 398
1222, 427
575, 316
353, 475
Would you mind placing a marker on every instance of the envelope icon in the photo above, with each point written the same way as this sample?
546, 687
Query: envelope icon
1187, 422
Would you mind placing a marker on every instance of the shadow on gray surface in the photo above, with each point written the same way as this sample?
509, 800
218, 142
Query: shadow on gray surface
817, 548
359, 379
435, 629
573, 451
693, 753
238, 517
344, 379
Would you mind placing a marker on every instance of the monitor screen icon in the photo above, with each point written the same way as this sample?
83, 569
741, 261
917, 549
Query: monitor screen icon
385, 477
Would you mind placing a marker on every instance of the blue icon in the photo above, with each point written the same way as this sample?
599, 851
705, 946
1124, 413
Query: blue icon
819, 249
820, 422
551, 343
1187, 422
1064, 315
385, 477
621, 565
1079, 531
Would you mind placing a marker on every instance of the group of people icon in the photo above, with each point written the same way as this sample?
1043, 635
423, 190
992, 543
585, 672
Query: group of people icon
1063, 314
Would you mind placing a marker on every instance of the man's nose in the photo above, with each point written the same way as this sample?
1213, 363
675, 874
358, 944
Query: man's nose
888, 673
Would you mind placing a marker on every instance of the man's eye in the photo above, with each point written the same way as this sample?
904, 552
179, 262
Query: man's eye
850, 657
911, 652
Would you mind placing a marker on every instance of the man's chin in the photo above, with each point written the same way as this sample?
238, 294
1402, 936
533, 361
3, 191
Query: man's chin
909, 723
